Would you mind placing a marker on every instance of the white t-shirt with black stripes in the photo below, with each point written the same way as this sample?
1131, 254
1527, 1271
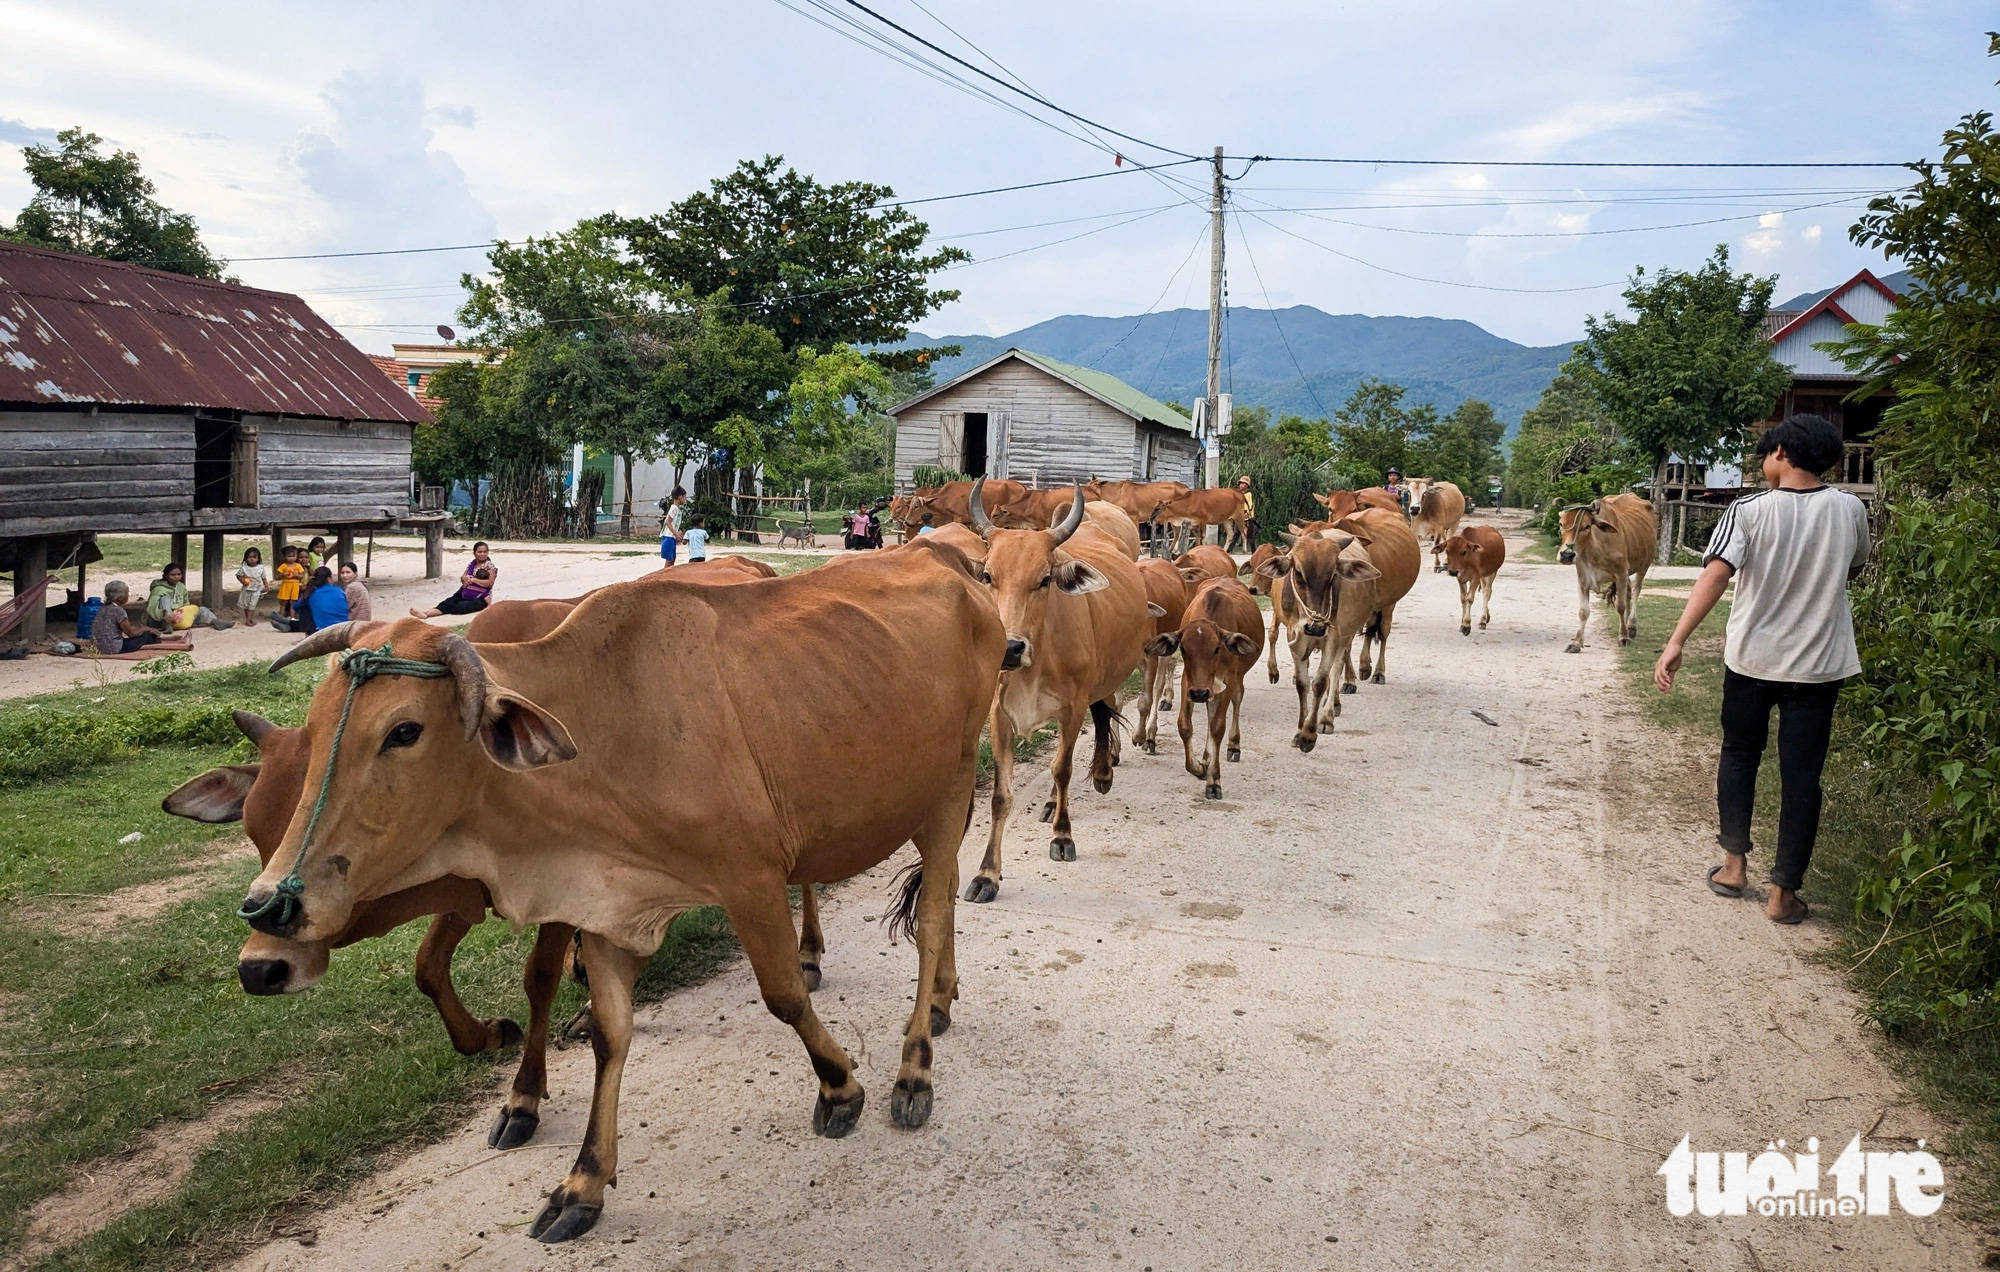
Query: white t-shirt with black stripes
1793, 551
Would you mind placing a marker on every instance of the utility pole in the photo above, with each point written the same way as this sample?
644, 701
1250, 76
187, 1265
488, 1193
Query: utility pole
1213, 411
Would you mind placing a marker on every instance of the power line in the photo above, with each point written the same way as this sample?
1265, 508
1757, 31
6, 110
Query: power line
1171, 280
1419, 278
1554, 163
1522, 234
1273, 310
1037, 98
1036, 185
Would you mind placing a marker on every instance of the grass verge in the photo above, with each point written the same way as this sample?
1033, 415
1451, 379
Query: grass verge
114, 1029
1865, 818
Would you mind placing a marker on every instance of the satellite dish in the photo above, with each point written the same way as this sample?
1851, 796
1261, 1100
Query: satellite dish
446, 332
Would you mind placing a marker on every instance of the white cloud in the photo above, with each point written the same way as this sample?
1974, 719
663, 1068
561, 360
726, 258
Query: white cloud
15, 133
1811, 235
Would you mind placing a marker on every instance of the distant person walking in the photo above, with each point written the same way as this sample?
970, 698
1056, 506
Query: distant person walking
475, 586
1791, 550
1393, 483
1249, 513
673, 515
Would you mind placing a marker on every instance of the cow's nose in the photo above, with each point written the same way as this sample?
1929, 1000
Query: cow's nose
1198, 695
264, 976
1017, 653
1567, 556
1315, 629
1453, 573
274, 915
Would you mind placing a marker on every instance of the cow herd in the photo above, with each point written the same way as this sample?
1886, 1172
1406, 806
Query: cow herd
539, 765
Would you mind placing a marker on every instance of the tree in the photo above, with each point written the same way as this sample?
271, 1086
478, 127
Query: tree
1564, 433
819, 265
1688, 373
1372, 430
479, 427
1462, 448
102, 205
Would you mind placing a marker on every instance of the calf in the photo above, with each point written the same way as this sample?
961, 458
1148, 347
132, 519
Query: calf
1339, 503
1197, 510
1266, 587
1216, 648
1473, 557
1205, 561
1611, 542
1324, 593
1167, 592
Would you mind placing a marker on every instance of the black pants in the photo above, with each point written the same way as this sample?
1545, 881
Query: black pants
1805, 723
460, 603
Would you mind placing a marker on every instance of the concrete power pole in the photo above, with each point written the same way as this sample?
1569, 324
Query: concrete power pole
1213, 410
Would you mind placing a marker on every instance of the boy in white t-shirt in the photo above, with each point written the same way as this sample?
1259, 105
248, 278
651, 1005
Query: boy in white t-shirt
697, 541
1791, 550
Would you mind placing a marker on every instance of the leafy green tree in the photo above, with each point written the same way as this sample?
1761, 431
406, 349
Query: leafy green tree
1688, 373
478, 427
102, 205
1563, 433
819, 265
1927, 617
1462, 448
1372, 430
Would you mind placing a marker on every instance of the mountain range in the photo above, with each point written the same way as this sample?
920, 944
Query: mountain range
1300, 360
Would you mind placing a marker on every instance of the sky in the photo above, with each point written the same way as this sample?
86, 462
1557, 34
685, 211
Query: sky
362, 127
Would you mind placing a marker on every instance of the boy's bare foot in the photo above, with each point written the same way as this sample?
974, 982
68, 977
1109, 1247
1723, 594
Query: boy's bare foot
1785, 906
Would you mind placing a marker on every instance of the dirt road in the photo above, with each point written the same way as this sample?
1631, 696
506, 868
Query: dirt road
1439, 994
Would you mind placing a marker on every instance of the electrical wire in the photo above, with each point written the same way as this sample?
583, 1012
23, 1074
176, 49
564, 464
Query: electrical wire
1419, 278
1171, 280
1560, 163
1272, 309
1526, 234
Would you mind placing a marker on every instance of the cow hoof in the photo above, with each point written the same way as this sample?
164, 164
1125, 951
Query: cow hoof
1274, 677
981, 890
812, 975
910, 1103
1049, 811
835, 1120
1574, 649
1378, 679
560, 1222
1165, 705
1213, 792
940, 1021
1465, 631
1062, 848
510, 1033
1326, 726
1349, 688
1115, 759
1102, 785
513, 1128
1233, 755
1152, 747
1306, 741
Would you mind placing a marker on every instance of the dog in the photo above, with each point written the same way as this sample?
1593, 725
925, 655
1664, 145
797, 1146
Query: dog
802, 533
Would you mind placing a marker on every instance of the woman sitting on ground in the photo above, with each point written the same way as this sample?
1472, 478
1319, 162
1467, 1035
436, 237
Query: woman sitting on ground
475, 586
324, 602
114, 632
360, 606
168, 608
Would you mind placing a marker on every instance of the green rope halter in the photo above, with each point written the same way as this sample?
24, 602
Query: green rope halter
361, 666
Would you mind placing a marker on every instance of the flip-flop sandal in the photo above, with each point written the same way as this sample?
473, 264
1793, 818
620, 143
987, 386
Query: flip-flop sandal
1721, 889
1797, 916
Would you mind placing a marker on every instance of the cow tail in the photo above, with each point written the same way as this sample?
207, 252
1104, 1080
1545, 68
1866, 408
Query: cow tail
901, 916
1374, 629
1105, 714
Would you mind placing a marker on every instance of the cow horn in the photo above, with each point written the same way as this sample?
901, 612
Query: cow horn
1063, 529
327, 640
253, 726
980, 521
1289, 538
468, 671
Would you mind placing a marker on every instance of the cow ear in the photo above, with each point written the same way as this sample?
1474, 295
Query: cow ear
1358, 570
1243, 646
215, 796
1247, 567
1163, 644
1079, 577
519, 735
1193, 574
1275, 567
1155, 610
1323, 500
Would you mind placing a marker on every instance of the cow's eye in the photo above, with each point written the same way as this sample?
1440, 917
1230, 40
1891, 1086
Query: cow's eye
985, 578
404, 734
1045, 580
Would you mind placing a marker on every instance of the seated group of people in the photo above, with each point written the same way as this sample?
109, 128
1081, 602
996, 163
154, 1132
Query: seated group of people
308, 593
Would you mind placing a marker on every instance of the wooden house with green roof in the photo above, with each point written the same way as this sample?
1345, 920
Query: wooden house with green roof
1043, 422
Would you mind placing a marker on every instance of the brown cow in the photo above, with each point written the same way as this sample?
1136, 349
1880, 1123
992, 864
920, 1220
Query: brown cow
1141, 500
1167, 591
1205, 561
1197, 510
1114, 521
1075, 609
949, 502
1033, 510
1437, 512
1324, 593
1392, 548
1341, 503
1266, 586
1473, 557
1216, 648
522, 767
1611, 542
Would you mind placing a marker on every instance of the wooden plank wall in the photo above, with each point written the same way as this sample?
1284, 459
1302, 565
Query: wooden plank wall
1058, 434
1178, 458
62, 471
315, 468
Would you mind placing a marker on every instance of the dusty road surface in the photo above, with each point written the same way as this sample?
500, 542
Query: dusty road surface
1441, 994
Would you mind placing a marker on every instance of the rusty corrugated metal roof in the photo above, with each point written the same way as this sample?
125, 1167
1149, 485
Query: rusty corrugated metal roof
78, 329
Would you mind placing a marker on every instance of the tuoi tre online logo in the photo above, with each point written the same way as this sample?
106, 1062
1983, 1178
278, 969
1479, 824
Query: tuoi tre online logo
1774, 1184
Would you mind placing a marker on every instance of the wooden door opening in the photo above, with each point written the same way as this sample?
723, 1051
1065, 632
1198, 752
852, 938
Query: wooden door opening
225, 464
975, 444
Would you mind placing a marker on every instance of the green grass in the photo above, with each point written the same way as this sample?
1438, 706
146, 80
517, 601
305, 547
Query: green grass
142, 1026
1864, 819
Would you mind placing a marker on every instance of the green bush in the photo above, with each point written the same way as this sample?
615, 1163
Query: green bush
1283, 487
1594, 483
928, 475
41, 746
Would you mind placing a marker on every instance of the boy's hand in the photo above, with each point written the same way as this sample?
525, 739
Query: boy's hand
1669, 664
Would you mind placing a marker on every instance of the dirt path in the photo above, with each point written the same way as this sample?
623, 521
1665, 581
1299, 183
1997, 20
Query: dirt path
1408, 1001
